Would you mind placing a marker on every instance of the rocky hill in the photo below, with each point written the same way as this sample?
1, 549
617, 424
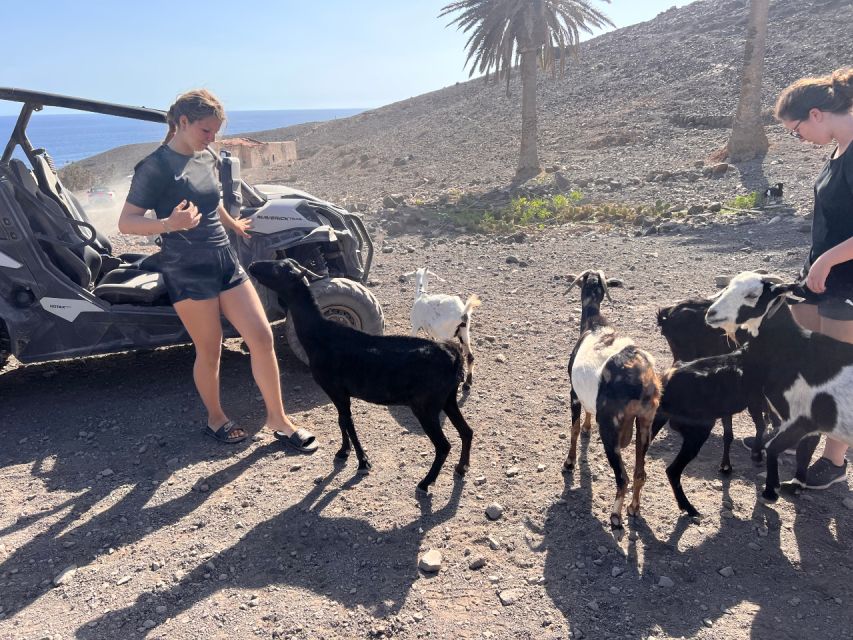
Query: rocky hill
643, 101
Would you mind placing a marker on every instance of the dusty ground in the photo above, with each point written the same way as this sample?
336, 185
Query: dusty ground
175, 536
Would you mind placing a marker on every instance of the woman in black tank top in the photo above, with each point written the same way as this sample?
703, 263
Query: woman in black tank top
818, 110
201, 269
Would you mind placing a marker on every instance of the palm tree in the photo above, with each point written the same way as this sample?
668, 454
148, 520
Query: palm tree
536, 32
748, 139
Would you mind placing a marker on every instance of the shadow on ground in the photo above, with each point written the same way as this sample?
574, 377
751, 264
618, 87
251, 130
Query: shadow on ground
590, 574
117, 425
302, 547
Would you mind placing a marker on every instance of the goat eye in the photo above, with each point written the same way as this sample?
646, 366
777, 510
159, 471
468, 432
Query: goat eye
752, 296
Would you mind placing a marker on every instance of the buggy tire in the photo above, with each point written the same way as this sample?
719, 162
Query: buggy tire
5, 345
345, 301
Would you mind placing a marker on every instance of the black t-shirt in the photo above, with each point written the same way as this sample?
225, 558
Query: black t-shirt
833, 218
166, 177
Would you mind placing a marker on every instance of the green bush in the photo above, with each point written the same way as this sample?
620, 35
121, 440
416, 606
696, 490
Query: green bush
537, 212
748, 201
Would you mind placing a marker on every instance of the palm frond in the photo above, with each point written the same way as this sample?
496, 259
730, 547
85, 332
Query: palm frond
501, 30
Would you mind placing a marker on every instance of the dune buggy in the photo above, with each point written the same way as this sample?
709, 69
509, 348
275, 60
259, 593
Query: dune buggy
64, 293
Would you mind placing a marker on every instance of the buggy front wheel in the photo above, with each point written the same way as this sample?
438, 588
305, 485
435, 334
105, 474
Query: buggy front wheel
344, 301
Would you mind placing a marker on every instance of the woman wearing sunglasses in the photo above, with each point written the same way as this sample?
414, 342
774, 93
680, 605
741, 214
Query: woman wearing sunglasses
818, 110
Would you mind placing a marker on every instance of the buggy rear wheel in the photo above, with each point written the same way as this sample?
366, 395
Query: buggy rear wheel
345, 301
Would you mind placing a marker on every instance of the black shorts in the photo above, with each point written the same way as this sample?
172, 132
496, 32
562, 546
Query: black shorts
836, 303
200, 272
835, 307
830, 305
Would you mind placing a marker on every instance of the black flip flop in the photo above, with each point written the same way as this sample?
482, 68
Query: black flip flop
301, 441
223, 433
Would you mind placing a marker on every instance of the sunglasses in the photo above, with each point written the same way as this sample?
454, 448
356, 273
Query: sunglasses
795, 131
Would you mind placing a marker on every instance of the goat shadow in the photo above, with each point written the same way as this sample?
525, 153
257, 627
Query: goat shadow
573, 532
345, 559
142, 449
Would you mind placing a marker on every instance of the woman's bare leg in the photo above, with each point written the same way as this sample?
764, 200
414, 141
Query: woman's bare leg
835, 450
244, 311
203, 322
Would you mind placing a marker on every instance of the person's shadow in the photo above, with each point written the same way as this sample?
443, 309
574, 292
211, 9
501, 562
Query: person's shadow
342, 558
604, 588
71, 428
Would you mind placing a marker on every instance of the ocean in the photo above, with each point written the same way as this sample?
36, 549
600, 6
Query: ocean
69, 137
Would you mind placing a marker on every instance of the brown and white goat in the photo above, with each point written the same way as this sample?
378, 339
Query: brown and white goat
614, 381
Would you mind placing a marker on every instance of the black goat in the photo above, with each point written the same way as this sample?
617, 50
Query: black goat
689, 337
695, 394
388, 370
774, 193
614, 380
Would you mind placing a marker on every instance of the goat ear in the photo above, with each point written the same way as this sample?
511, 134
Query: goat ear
615, 282
795, 288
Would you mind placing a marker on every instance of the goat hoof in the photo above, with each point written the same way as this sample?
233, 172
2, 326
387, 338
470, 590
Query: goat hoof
757, 457
364, 468
461, 469
792, 488
569, 466
422, 491
615, 522
466, 386
690, 511
342, 454
726, 469
768, 497
633, 513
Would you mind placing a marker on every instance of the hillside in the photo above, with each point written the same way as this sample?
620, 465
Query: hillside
651, 97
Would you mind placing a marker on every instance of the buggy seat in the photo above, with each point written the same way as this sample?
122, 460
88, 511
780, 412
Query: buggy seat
133, 286
128, 283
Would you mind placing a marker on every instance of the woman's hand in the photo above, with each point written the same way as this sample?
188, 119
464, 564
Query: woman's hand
242, 226
818, 272
184, 216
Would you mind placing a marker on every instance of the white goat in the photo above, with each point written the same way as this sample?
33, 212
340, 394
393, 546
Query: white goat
444, 317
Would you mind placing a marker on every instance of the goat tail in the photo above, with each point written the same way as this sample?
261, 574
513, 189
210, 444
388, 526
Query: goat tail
471, 303
657, 424
455, 349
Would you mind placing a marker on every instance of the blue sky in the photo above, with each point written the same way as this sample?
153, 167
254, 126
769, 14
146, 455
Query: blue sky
253, 54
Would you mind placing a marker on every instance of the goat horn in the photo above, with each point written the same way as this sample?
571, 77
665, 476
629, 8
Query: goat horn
435, 275
307, 272
773, 279
576, 280
604, 284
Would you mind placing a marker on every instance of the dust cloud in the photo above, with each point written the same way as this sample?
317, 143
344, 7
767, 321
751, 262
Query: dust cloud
103, 212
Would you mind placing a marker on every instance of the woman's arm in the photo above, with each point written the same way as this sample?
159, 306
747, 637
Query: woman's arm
133, 221
819, 271
241, 226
